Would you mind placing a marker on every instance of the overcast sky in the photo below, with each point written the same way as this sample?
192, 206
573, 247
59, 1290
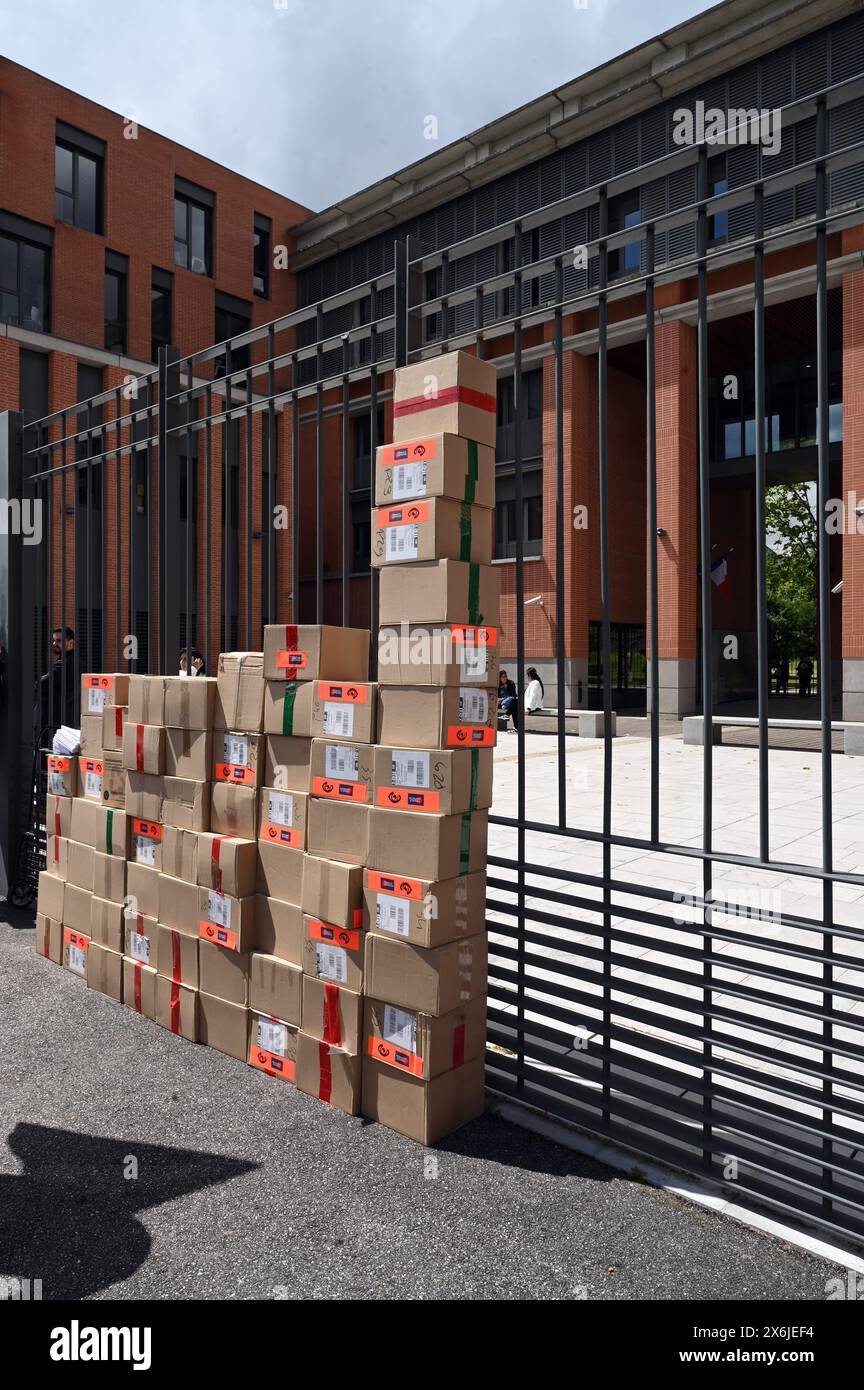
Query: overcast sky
318, 98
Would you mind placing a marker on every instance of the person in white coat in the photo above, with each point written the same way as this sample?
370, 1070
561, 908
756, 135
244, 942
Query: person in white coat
534, 691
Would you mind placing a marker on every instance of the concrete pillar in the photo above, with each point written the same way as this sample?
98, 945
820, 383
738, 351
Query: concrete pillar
853, 495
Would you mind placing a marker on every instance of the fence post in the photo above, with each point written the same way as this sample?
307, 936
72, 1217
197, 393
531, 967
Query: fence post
171, 546
15, 740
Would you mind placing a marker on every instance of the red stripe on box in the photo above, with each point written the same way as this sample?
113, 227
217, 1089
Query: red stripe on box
139, 747
175, 1007
118, 720
46, 949
325, 1073
459, 1045
138, 968
332, 1029
451, 395
176, 970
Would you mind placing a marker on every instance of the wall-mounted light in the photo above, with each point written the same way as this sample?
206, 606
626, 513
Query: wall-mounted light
660, 531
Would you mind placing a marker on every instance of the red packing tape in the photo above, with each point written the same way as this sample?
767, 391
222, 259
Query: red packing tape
332, 1030
325, 1079
139, 747
176, 973
175, 1007
138, 968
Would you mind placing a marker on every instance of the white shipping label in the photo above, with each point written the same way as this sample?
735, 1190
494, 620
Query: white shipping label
96, 700
57, 783
280, 811
409, 480
144, 850
78, 960
235, 750
473, 706
473, 661
273, 1036
338, 719
218, 908
392, 914
343, 761
402, 543
331, 963
139, 946
400, 1028
408, 768
93, 784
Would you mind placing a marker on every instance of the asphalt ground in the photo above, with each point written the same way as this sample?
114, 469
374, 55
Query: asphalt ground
247, 1189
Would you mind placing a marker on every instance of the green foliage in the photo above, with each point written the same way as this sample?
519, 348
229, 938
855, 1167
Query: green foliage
791, 571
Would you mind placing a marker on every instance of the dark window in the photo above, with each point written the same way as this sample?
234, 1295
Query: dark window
33, 385
193, 227
115, 302
233, 316
261, 239
161, 287
718, 224
361, 537
79, 162
625, 212
25, 274
361, 462
531, 417
506, 544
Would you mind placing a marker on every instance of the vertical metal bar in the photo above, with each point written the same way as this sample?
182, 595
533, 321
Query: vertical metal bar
118, 465
373, 573
170, 546
520, 662
228, 509
295, 505
88, 498
560, 576
653, 578
188, 538
148, 594
80, 652
134, 429
16, 571
762, 670
271, 476
606, 638
319, 503
346, 501
251, 638
208, 523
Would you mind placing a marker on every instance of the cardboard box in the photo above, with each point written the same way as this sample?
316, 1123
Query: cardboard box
332, 1014
58, 814
435, 654
279, 929
178, 904
189, 753
420, 1044
425, 1111
440, 591
190, 702
333, 891
239, 692
439, 465
224, 974
341, 771
177, 956
103, 780
76, 945
109, 877
455, 393
57, 856
282, 818
99, 690
145, 843
102, 827
427, 980
142, 890
227, 864
62, 775
286, 763
140, 939
328, 1073
105, 971
91, 732
228, 921
139, 987
280, 873
427, 847
143, 748
334, 954
238, 758
338, 830
174, 801
233, 810
76, 908
424, 913
275, 988
311, 652
445, 781
223, 1026
50, 896
177, 1008
322, 709
436, 529
107, 924
272, 1046
423, 716
79, 866
147, 700
180, 853
49, 938
111, 735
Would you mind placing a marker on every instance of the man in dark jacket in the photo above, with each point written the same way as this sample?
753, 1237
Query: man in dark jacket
508, 699
56, 706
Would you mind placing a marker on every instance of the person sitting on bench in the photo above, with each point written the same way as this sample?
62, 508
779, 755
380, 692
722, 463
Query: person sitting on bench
508, 699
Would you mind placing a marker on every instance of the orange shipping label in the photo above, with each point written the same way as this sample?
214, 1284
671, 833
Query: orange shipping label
395, 1056
235, 773
280, 835
469, 736
271, 1062
334, 936
408, 515
100, 682
407, 799
59, 764
348, 694
291, 661
474, 636
151, 829
399, 887
91, 765
220, 936
74, 938
416, 451
339, 791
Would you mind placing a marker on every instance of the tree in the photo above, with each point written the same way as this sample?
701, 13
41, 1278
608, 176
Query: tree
791, 569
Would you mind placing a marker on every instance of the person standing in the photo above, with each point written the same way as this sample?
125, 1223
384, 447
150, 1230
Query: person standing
56, 705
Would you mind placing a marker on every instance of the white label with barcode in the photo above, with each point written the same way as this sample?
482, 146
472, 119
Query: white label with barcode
96, 698
57, 783
409, 480
338, 719
402, 543
331, 963
93, 784
280, 810
392, 914
235, 750
77, 959
341, 760
473, 661
473, 706
144, 850
218, 908
273, 1036
139, 946
408, 768
400, 1028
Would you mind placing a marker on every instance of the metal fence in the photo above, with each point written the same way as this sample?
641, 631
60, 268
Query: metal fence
751, 1076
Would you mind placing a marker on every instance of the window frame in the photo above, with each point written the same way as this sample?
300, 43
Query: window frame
35, 238
262, 227
81, 146
190, 196
161, 281
117, 268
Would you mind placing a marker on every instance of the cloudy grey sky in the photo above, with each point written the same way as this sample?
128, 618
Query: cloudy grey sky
318, 98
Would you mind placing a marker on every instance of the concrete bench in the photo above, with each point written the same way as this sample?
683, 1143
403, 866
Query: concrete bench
853, 733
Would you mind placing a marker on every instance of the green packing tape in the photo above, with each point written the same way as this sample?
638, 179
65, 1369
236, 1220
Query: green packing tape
465, 531
465, 844
288, 707
471, 479
108, 832
475, 769
474, 615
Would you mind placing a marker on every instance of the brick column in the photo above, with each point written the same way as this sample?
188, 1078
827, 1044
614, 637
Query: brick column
853, 495
677, 515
